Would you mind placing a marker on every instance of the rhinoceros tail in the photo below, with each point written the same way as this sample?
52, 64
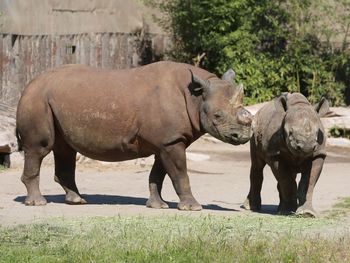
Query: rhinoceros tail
19, 142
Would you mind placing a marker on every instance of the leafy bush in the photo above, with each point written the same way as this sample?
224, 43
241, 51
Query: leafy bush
339, 132
274, 46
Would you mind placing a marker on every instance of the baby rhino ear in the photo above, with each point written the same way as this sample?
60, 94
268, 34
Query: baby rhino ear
322, 107
281, 103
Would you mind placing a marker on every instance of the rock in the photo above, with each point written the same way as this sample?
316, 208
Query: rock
340, 142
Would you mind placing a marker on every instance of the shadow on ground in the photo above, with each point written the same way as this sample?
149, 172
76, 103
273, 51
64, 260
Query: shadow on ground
96, 199
268, 209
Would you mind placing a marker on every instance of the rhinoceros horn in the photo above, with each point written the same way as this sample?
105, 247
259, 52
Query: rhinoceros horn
202, 85
237, 97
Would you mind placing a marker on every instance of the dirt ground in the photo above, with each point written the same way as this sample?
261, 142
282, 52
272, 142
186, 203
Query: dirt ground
219, 175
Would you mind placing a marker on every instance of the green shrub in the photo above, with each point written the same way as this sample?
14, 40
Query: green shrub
274, 46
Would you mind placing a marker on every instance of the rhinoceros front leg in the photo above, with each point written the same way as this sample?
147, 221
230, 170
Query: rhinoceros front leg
156, 179
309, 176
173, 158
253, 200
287, 188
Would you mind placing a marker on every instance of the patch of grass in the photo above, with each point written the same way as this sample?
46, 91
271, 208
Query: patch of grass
247, 238
340, 209
344, 204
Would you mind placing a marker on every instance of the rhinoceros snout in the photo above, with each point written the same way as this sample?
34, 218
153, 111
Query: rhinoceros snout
238, 138
303, 147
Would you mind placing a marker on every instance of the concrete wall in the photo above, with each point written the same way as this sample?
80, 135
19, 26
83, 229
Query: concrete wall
62, 17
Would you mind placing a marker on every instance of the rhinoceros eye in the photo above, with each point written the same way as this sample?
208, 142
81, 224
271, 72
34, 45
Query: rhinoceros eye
218, 115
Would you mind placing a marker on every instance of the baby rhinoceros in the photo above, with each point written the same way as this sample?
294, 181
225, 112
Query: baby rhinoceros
288, 136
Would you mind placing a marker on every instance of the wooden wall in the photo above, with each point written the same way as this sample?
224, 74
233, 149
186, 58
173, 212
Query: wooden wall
23, 57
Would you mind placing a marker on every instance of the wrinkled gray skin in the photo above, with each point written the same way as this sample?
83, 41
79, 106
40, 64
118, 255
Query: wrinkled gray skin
288, 136
117, 115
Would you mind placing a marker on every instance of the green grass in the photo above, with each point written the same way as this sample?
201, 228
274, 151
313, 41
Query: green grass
341, 209
344, 204
238, 238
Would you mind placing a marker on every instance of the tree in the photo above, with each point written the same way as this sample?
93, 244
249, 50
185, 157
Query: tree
274, 46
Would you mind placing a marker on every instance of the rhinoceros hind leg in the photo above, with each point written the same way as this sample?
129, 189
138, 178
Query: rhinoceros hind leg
35, 130
156, 179
174, 161
65, 171
250, 204
30, 178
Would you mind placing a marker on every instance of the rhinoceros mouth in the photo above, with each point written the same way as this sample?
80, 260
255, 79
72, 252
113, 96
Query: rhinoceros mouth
233, 135
297, 150
302, 152
236, 139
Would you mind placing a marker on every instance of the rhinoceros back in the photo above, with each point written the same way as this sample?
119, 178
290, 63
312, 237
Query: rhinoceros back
106, 114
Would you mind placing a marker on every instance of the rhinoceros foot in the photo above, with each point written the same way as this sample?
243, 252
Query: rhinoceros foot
287, 208
249, 204
35, 200
156, 203
189, 205
285, 212
73, 198
306, 211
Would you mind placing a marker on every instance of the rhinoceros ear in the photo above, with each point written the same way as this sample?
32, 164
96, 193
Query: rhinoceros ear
229, 76
281, 103
322, 107
199, 85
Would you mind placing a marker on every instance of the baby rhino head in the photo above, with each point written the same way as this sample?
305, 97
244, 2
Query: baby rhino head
302, 129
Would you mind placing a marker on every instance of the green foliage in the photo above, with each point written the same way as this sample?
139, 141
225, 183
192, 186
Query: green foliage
247, 238
274, 46
338, 132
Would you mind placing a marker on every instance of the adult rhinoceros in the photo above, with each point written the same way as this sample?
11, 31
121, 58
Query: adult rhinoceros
117, 115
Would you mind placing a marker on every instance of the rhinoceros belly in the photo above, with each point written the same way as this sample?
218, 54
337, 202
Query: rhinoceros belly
100, 132
104, 143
